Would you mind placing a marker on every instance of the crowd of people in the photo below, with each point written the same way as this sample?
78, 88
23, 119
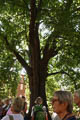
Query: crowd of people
13, 109
62, 104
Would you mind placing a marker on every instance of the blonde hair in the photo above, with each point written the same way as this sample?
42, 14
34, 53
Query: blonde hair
39, 100
17, 104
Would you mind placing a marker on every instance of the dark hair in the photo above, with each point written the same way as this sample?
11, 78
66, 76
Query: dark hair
23, 97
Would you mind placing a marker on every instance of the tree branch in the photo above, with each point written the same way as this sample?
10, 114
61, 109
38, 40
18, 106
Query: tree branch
18, 56
32, 22
50, 48
59, 72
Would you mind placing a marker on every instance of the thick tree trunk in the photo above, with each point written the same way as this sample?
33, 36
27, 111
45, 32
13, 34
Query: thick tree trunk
37, 88
37, 77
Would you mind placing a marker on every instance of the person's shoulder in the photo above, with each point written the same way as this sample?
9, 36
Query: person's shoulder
44, 108
16, 116
57, 117
21, 116
72, 118
5, 117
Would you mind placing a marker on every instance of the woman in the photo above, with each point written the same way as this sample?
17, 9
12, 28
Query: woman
62, 103
16, 108
38, 110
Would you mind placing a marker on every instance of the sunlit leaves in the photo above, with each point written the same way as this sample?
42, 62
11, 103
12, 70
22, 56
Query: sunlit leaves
59, 30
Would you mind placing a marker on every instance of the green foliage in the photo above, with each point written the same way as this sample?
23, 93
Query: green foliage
51, 86
9, 73
59, 29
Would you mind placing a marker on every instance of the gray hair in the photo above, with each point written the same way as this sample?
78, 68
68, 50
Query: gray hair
65, 96
17, 104
77, 92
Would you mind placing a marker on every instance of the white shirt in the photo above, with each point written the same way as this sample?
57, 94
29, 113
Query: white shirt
55, 116
15, 117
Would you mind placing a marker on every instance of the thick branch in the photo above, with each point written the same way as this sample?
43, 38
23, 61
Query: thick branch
32, 22
49, 52
51, 40
22, 61
18, 56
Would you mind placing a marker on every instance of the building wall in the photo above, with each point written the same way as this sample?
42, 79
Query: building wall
21, 87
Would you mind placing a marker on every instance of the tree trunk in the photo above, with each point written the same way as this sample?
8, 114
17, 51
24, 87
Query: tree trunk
37, 77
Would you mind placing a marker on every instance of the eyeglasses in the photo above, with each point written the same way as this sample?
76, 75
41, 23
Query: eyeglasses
54, 100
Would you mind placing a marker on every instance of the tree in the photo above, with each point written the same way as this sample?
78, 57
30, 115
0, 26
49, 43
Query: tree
9, 74
36, 31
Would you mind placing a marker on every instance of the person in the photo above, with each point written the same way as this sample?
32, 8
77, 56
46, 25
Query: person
24, 109
9, 112
54, 116
5, 107
38, 110
16, 108
77, 97
77, 102
62, 103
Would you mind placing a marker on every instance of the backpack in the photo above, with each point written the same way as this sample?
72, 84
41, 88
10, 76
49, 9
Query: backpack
39, 114
11, 117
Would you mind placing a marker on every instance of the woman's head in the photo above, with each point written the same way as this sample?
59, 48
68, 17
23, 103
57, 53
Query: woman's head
38, 100
63, 99
17, 105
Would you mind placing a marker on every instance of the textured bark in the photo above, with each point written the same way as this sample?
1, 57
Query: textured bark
38, 76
